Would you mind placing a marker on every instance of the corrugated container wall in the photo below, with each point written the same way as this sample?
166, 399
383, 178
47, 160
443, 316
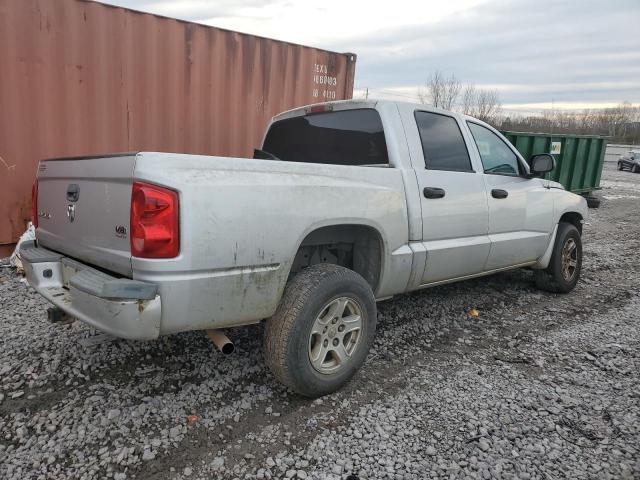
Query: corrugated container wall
81, 78
579, 158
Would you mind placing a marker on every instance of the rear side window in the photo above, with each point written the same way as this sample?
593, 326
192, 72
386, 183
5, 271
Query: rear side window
347, 137
442, 143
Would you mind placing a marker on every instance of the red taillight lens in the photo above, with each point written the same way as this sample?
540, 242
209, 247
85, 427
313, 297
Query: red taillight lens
34, 204
155, 222
320, 108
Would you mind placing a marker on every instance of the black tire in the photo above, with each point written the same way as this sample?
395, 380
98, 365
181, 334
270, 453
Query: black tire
288, 341
552, 279
619, 166
635, 169
592, 202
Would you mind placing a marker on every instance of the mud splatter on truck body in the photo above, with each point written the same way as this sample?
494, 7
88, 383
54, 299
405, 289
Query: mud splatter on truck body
83, 78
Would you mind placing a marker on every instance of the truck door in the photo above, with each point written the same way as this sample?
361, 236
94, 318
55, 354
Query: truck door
452, 196
520, 208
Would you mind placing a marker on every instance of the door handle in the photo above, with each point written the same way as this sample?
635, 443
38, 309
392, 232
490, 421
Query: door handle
433, 192
497, 193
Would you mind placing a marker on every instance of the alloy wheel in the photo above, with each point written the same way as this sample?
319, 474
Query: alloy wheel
335, 335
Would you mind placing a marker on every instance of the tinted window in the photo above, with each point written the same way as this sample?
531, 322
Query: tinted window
442, 143
496, 156
348, 137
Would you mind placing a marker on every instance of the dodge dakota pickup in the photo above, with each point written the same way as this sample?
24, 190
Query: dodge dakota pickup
345, 204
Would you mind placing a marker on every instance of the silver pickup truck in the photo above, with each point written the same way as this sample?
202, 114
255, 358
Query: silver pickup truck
345, 204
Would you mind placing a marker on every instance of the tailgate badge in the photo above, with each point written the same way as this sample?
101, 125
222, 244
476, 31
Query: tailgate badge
121, 231
73, 192
71, 212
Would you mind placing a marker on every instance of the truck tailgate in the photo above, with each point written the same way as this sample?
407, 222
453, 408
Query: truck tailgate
83, 209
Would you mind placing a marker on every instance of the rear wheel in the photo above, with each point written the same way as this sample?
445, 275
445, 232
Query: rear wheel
322, 330
619, 165
635, 169
563, 272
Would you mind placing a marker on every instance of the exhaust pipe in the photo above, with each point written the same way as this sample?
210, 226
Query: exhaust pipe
221, 341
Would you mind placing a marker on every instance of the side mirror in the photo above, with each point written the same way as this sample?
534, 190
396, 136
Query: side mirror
542, 163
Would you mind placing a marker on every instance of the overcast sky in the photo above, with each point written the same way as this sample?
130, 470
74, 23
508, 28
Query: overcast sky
576, 54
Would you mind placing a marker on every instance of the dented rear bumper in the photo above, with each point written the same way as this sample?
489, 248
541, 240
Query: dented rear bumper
119, 306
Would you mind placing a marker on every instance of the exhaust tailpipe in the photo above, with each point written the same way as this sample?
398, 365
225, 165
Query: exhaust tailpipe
221, 341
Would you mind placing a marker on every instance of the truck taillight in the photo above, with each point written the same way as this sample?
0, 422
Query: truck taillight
155, 222
34, 203
319, 108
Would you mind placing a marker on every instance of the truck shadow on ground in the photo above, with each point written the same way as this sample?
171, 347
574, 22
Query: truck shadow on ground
407, 324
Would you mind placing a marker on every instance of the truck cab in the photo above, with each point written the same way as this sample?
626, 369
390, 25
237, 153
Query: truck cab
473, 205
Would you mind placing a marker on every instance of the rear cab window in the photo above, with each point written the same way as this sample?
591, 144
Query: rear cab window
443, 146
344, 137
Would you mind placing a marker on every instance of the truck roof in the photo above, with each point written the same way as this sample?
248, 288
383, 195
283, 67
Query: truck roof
363, 103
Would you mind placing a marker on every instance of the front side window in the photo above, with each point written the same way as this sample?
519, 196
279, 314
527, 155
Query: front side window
345, 137
496, 156
442, 144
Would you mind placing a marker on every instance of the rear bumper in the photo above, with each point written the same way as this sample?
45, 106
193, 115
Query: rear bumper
121, 307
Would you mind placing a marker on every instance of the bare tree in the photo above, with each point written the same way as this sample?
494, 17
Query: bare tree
620, 123
488, 106
469, 99
441, 91
481, 103
444, 92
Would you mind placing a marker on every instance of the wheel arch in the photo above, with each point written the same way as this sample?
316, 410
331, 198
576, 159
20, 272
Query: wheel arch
574, 218
571, 217
355, 245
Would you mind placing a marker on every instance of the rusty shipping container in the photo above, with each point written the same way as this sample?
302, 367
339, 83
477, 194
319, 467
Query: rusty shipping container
79, 78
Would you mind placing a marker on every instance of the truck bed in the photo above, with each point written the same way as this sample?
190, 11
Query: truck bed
241, 222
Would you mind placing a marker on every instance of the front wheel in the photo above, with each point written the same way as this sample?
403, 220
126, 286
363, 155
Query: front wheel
322, 330
563, 272
619, 165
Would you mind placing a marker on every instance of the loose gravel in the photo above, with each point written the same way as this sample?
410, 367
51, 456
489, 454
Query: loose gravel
537, 386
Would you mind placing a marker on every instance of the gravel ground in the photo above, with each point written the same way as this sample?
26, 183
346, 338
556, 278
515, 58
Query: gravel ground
538, 386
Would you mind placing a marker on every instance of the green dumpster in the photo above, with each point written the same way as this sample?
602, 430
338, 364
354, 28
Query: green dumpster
579, 158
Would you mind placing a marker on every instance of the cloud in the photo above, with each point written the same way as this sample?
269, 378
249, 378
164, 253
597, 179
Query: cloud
544, 51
